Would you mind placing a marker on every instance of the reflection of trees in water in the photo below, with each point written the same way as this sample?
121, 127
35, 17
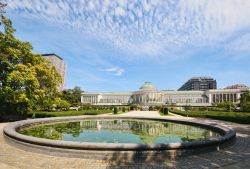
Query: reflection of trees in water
148, 131
53, 131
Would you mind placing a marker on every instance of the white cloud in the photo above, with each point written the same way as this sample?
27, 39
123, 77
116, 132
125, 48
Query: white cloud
119, 11
142, 27
241, 44
114, 71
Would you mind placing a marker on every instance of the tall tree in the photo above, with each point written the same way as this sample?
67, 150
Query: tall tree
73, 96
245, 101
27, 80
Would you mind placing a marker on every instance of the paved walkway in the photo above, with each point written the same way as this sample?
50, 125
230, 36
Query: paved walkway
231, 157
141, 114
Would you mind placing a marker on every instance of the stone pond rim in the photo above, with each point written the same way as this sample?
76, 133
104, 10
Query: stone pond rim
28, 142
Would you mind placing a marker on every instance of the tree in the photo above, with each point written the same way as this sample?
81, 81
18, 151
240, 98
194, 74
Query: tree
27, 80
73, 96
245, 101
61, 104
2, 5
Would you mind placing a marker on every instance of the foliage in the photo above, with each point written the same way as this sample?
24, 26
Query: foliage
225, 106
68, 113
133, 106
61, 104
27, 81
187, 108
164, 110
53, 131
150, 108
245, 101
73, 96
238, 117
115, 110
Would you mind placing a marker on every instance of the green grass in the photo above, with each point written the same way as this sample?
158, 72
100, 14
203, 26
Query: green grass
237, 117
68, 113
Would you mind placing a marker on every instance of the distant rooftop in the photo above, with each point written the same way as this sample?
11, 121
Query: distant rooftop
202, 78
52, 54
237, 86
148, 86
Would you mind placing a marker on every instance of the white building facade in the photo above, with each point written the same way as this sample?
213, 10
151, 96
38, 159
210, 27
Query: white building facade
148, 95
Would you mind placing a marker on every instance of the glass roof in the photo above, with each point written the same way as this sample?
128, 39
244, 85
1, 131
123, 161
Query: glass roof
148, 86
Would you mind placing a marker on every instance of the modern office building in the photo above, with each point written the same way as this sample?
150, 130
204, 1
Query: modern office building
60, 66
199, 83
148, 95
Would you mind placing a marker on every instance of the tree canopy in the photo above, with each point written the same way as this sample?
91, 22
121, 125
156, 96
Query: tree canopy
27, 80
73, 96
245, 101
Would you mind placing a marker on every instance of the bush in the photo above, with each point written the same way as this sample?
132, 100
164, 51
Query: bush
246, 106
157, 108
225, 106
164, 110
41, 114
133, 106
115, 110
187, 108
238, 117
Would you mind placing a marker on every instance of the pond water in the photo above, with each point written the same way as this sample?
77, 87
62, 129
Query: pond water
120, 131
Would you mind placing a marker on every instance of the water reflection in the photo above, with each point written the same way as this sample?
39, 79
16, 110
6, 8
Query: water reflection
120, 131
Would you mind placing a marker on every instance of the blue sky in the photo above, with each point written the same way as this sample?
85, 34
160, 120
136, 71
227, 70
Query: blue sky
116, 45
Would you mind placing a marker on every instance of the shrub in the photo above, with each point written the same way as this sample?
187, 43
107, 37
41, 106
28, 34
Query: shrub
165, 110
41, 114
238, 117
115, 110
133, 106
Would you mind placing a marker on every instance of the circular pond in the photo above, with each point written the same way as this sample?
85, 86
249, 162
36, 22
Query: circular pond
112, 133
120, 131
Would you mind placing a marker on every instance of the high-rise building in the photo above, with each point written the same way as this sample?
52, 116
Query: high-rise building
199, 83
60, 66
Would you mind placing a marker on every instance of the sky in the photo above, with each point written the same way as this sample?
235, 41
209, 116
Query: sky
117, 45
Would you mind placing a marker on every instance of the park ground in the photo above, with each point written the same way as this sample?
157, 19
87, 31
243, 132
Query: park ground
234, 156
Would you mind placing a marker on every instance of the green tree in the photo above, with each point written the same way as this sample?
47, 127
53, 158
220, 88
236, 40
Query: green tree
61, 104
73, 96
27, 80
245, 101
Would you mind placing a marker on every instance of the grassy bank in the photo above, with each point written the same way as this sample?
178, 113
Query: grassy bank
237, 117
40, 114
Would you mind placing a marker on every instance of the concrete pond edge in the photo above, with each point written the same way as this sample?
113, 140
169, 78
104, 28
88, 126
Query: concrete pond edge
10, 132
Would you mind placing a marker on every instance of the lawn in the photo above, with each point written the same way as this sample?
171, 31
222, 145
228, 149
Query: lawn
68, 113
237, 117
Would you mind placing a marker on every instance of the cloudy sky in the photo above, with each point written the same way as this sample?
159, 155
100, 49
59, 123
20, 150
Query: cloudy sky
116, 45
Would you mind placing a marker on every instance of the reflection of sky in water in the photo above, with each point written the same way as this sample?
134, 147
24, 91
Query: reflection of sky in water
105, 136
168, 139
121, 131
